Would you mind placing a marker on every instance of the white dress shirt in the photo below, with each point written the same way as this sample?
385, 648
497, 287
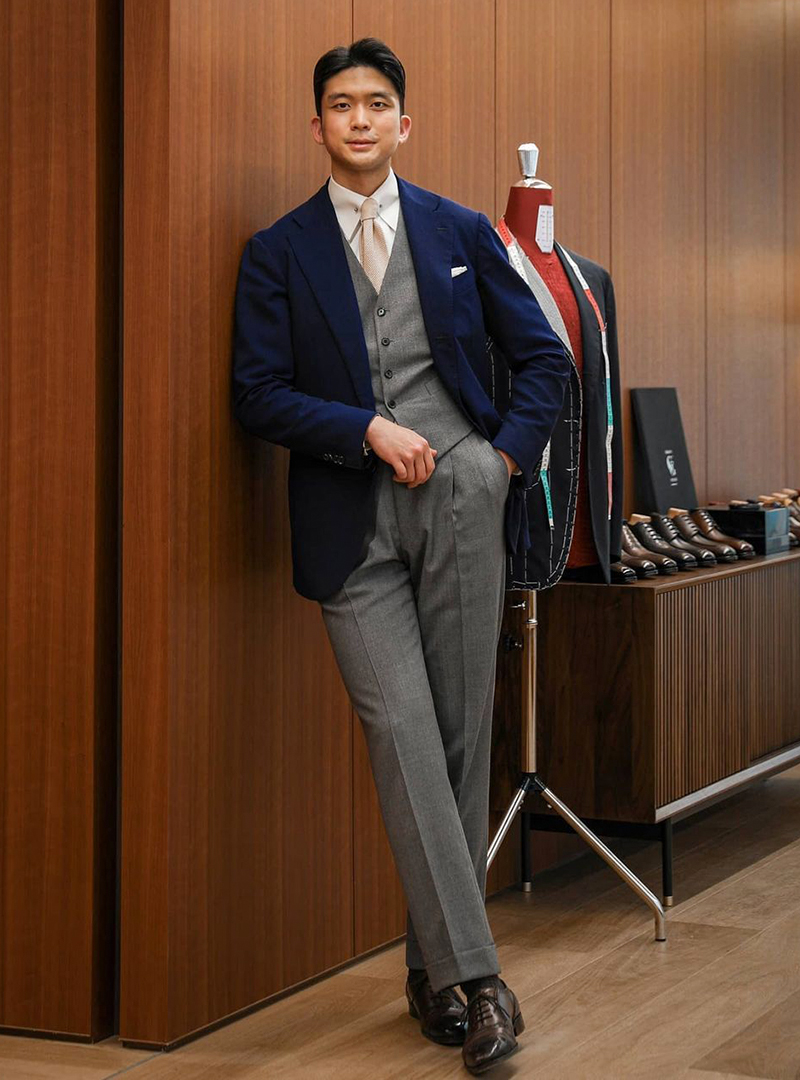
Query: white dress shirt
347, 205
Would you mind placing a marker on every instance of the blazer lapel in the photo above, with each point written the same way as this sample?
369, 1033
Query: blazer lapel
430, 237
590, 331
318, 245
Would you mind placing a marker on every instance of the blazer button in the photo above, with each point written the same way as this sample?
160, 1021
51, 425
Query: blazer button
326, 457
384, 341
391, 403
381, 310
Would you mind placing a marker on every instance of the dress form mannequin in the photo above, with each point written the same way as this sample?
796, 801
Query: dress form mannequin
529, 216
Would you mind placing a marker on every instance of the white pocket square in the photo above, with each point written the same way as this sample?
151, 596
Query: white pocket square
456, 270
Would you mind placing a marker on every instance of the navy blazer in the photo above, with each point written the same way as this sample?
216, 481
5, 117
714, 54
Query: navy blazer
301, 378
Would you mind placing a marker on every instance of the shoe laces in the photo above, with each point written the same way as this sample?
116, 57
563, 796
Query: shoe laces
481, 1009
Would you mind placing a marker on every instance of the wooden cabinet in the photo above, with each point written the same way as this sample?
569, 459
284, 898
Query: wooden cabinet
658, 697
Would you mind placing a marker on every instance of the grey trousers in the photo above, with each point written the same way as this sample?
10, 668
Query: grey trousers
414, 630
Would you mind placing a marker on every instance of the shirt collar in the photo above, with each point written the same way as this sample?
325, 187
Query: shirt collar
347, 204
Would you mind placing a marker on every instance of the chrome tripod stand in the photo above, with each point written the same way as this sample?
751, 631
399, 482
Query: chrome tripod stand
531, 781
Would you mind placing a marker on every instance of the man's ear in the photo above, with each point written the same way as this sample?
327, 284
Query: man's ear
316, 129
405, 127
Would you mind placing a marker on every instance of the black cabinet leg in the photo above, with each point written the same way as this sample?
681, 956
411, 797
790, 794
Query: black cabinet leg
666, 860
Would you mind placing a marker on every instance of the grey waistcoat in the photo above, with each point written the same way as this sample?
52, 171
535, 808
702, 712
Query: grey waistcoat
405, 382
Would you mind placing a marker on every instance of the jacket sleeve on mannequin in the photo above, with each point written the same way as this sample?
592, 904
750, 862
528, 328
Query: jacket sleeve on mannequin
514, 320
617, 462
265, 401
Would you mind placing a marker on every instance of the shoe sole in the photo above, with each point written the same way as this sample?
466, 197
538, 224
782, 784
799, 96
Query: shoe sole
519, 1027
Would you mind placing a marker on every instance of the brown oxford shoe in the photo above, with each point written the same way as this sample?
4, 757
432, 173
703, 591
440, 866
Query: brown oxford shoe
493, 1022
708, 527
442, 1014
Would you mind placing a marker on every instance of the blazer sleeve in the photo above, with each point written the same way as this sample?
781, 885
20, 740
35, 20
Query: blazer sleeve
265, 401
534, 353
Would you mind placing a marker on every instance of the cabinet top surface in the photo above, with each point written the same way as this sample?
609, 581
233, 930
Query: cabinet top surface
687, 578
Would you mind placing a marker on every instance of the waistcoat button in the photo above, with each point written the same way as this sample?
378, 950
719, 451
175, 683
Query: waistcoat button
381, 310
391, 403
384, 341
388, 373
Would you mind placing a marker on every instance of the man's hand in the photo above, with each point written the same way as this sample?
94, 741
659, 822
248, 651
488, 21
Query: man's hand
408, 453
511, 465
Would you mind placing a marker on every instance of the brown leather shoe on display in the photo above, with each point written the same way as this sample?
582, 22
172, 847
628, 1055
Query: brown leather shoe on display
668, 530
442, 1014
664, 564
649, 538
622, 574
690, 531
493, 1022
643, 568
708, 527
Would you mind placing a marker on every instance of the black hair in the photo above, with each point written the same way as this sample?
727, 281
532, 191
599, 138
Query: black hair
368, 52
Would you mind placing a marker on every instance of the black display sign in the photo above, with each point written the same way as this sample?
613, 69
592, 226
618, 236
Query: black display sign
663, 474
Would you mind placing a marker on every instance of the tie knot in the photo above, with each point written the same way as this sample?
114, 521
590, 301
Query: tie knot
369, 209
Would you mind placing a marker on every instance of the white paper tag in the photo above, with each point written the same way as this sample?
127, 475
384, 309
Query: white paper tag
544, 229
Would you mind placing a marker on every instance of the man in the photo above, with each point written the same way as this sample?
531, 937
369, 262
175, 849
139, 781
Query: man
360, 344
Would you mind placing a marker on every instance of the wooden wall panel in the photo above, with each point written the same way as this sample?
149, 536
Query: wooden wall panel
235, 722
746, 382
792, 211
658, 209
447, 49
237, 781
552, 85
58, 514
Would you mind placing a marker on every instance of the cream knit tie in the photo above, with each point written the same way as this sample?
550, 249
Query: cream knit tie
374, 253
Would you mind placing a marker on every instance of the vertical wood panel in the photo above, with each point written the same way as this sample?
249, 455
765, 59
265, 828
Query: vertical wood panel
745, 227
58, 508
552, 85
792, 209
447, 50
237, 831
658, 208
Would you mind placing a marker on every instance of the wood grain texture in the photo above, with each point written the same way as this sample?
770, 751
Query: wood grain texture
446, 49
237, 820
666, 686
746, 381
792, 223
552, 75
58, 507
658, 208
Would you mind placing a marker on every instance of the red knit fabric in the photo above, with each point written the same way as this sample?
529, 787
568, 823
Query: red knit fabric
583, 551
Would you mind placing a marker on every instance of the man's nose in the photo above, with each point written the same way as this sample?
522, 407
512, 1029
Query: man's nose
359, 117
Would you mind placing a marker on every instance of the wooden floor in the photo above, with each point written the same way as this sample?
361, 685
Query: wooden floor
602, 1000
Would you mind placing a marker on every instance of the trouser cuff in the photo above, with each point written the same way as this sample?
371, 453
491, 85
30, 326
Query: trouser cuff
459, 967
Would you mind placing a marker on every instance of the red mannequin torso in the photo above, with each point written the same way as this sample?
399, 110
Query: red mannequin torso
521, 216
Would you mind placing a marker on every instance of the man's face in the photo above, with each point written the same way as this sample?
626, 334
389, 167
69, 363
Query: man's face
360, 123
